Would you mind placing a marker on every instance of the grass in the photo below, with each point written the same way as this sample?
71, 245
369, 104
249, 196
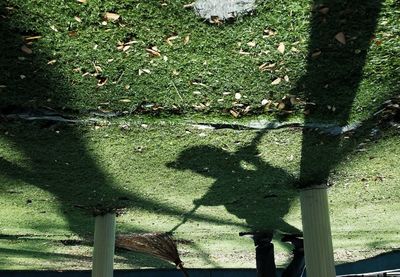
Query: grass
205, 185
238, 179
202, 69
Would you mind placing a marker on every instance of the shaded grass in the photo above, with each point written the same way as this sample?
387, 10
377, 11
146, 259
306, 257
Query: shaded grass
140, 164
211, 57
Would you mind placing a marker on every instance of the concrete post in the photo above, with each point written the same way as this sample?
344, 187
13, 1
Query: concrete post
318, 248
104, 244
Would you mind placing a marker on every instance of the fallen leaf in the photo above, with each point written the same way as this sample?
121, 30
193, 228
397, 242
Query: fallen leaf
340, 37
111, 16
175, 72
142, 71
251, 43
26, 50
186, 40
170, 39
188, 6
82, 1
102, 81
77, 18
269, 32
266, 66
316, 53
52, 62
238, 96
281, 106
241, 52
32, 38
234, 113
265, 102
125, 100
276, 81
125, 48
286, 78
324, 10
281, 48
153, 51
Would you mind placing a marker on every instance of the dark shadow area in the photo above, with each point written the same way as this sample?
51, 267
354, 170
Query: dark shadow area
341, 33
383, 262
258, 193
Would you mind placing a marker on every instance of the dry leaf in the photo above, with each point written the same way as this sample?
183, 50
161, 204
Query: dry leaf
52, 62
238, 96
241, 52
102, 81
125, 100
269, 33
170, 39
251, 43
281, 106
77, 18
175, 72
26, 50
340, 37
32, 38
281, 48
153, 51
82, 1
286, 78
266, 66
111, 16
316, 54
265, 102
125, 48
234, 113
142, 71
324, 10
188, 6
186, 40
276, 81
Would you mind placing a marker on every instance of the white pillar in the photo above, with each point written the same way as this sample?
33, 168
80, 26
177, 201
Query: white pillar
104, 244
318, 248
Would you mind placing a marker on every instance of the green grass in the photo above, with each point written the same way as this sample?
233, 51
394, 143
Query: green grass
167, 173
240, 181
208, 70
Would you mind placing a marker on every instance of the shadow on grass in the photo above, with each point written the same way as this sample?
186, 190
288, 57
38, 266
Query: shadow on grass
248, 187
341, 33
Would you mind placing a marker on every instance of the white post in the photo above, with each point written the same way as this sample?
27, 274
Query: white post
318, 248
104, 244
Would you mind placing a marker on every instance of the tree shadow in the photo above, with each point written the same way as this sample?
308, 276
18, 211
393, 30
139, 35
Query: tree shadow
340, 38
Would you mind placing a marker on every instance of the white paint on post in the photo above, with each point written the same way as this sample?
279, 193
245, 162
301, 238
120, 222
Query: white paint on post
104, 244
318, 248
